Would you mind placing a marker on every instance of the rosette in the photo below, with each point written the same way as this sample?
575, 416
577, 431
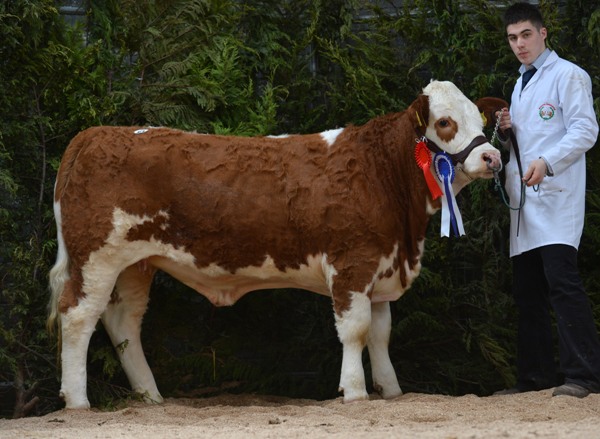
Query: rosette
450, 213
423, 159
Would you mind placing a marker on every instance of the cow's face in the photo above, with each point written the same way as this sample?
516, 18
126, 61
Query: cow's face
453, 122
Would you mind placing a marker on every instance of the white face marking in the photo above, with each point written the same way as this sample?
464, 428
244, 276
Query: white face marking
331, 135
446, 100
280, 136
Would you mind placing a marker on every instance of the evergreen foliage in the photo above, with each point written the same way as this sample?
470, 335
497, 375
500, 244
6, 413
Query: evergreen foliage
248, 68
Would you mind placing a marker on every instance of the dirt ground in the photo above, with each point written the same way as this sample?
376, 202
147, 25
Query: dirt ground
528, 415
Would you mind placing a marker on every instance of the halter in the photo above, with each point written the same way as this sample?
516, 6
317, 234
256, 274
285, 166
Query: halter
461, 156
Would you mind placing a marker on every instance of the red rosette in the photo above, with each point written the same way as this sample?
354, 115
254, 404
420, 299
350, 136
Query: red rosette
423, 159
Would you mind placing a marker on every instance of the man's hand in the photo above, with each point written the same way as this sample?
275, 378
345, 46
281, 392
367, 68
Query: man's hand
535, 173
505, 122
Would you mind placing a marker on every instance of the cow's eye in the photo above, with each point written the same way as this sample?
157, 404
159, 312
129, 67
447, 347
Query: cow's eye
446, 128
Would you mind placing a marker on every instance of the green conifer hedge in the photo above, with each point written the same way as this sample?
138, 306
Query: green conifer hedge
250, 68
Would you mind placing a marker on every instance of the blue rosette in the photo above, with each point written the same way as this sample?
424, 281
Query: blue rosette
451, 217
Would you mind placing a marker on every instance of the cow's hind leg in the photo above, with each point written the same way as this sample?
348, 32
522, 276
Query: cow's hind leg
384, 378
77, 324
123, 322
353, 327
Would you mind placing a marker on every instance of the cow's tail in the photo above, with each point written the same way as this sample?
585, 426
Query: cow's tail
59, 274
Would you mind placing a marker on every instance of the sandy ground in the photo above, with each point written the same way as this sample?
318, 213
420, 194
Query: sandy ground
529, 415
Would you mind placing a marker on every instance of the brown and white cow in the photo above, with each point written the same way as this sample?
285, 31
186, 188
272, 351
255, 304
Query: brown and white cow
342, 213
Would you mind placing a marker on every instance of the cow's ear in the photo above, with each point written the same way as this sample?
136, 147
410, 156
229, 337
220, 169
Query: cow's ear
488, 108
418, 113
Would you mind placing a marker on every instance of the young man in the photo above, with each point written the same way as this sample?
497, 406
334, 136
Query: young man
553, 119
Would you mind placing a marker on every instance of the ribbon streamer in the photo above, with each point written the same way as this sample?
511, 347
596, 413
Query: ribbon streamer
423, 159
450, 213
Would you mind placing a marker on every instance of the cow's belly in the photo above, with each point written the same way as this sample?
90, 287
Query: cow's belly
224, 288
388, 290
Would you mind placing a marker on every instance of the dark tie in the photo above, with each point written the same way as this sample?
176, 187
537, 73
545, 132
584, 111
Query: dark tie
527, 76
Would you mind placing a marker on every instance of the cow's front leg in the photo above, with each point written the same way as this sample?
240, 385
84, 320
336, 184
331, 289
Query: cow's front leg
353, 327
385, 381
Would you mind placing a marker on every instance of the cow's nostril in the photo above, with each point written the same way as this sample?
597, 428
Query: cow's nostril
493, 163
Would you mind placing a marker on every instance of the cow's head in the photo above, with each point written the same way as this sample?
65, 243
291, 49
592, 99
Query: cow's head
454, 124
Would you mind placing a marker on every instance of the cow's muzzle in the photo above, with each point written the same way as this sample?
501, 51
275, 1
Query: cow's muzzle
493, 162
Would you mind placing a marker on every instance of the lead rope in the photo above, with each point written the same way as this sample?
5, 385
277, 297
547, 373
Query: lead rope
498, 185
495, 133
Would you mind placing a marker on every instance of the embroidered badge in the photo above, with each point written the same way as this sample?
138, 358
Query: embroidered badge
546, 111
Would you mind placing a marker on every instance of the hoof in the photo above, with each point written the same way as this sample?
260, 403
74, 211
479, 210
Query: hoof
354, 396
152, 399
348, 400
75, 405
389, 393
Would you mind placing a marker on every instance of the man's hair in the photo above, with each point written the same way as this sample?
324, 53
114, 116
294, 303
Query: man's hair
523, 11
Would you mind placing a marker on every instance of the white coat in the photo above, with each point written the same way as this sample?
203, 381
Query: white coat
553, 117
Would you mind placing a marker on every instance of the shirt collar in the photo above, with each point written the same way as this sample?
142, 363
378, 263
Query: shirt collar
539, 62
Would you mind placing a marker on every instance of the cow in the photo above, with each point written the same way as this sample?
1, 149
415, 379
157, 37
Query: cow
342, 213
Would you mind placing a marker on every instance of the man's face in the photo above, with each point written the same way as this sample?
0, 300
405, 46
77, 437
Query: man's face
526, 41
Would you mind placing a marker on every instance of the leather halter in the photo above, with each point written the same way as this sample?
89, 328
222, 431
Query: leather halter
460, 156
